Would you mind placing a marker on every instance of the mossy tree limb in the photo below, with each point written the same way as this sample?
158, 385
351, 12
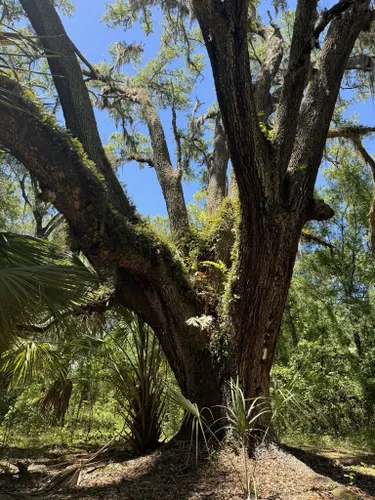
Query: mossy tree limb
147, 277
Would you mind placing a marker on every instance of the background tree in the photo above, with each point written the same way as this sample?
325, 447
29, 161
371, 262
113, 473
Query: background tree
324, 358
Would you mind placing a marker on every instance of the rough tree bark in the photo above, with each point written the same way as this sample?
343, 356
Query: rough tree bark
275, 178
217, 173
147, 277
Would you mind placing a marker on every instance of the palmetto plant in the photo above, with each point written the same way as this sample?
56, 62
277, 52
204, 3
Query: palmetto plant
138, 369
199, 424
243, 416
40, 284
26, 358
242, 419
38, 281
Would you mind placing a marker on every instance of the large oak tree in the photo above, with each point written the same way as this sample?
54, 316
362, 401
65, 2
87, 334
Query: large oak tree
274, 128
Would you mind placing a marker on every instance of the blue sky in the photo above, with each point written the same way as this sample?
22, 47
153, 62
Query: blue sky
93, 38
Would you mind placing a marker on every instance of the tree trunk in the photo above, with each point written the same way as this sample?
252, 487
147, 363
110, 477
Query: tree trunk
275, 175
185, 346
264, 273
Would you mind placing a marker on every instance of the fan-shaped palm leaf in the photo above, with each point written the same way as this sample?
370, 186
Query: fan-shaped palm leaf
25, 358
38, 280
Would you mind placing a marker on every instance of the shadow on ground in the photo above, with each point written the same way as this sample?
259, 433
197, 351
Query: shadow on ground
165, 475
343, 470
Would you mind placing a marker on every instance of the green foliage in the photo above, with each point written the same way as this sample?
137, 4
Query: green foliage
86, 422
126, 12
37, 279
10, 206
245, 417
324, 361
200, 426
104, 380
26, 358
136, 365
243, 420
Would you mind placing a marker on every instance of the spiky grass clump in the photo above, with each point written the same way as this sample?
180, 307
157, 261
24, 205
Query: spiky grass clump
137, 362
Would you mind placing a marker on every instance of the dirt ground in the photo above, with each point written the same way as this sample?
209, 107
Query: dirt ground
172, 474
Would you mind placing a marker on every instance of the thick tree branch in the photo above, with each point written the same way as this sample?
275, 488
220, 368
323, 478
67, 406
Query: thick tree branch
361, 62
72, 91
54, 223
168, 177
268, 71
318, 210
34, 139
365, 155
313, 238
350, 132
140, 159
91, 68
225, 28
329, 14
217, 161
177, 139
232, 186
294, 81
322, 92
200, 120
217, 180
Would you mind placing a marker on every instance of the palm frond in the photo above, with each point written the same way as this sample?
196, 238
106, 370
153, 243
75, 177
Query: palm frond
26, 358
199, 425
136, 360
56, 401
37, 279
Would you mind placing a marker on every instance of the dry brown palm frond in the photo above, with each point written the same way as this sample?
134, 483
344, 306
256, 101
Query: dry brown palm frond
56, 401
71, 476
